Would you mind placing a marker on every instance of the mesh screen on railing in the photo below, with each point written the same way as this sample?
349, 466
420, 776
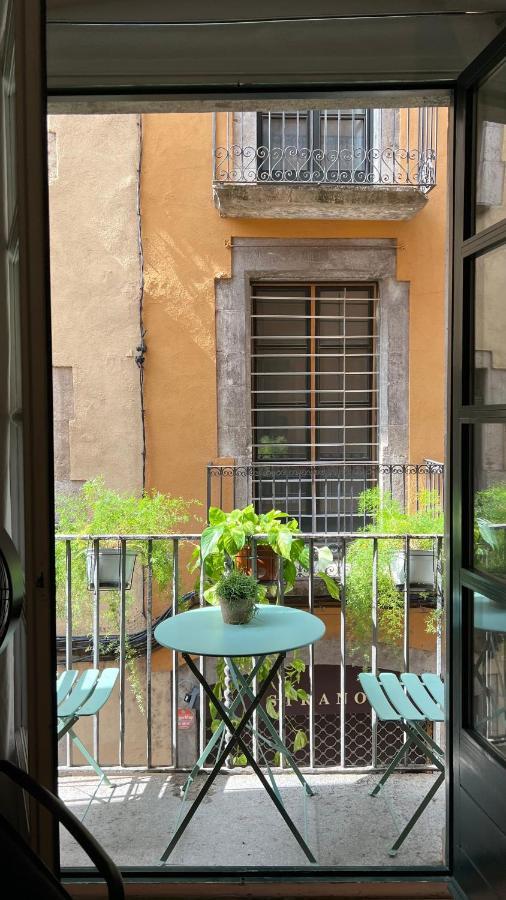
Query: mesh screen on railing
327, 750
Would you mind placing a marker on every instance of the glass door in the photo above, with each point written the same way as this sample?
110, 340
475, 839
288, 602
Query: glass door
479, 478
27, 722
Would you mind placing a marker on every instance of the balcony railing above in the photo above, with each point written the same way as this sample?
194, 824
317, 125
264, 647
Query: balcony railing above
389, 151
323, 497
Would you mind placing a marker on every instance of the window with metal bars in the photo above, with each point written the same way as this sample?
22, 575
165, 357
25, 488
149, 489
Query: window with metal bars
314, 397
314, 145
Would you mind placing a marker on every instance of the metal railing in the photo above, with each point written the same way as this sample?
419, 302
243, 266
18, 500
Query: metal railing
349, 736
359, 147
323, 497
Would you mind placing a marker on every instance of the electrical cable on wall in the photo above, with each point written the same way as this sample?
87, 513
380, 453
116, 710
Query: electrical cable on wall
141, 349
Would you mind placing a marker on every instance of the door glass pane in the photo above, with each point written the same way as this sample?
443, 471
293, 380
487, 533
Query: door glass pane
489, 671
490, 328
491, 150
490, 498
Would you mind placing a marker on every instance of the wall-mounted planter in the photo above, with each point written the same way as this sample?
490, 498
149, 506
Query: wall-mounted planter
109, 569
421, 568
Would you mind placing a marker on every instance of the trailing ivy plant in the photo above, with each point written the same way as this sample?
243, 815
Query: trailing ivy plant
386, 516
96, 509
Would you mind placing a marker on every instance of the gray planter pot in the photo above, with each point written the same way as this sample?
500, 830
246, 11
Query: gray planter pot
421, 568
236, 613
109, 569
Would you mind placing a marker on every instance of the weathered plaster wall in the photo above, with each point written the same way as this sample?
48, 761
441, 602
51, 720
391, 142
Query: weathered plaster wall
187, 246
95, 278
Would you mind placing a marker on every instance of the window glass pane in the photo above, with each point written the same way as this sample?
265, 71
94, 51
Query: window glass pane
491, 150
283, 129
489, 672
490, 498
489, 328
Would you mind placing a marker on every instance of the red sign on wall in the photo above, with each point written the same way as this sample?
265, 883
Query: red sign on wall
185, 719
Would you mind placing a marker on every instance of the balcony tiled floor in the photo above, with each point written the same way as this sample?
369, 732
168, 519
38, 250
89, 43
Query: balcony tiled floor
237, 825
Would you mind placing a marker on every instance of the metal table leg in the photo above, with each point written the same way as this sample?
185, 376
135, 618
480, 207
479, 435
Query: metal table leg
236, 739
276, 742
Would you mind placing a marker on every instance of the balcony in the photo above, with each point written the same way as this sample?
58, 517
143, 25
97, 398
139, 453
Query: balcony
328, 164
158, 720
322, 496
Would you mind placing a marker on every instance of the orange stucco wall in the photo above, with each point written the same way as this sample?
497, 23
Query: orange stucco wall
187, 245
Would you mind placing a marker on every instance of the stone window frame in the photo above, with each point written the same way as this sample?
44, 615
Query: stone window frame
303, 260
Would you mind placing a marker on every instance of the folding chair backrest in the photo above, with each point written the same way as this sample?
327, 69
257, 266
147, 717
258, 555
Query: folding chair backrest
101, 693
420, 695
376, 696
398, 699
436, 687
64, 683
80, 693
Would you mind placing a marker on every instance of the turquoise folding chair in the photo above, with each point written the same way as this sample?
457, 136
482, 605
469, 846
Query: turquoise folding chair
77, 698
411, 702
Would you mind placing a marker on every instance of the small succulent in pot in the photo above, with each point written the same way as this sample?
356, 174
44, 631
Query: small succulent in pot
238, 594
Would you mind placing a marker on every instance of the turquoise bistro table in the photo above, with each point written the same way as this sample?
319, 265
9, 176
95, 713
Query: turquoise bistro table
273, 631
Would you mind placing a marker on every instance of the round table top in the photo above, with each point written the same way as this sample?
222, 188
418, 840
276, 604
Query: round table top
273, 629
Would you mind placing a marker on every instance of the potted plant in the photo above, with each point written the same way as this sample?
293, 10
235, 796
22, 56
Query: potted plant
227, 543
109, 568
388, 517
237, 593
96, 509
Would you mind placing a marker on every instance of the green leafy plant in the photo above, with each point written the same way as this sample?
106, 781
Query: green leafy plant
490, 528
386, 517
96, 509
228, 533
239, 592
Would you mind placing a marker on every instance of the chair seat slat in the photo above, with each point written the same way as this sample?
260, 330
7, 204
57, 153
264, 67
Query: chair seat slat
398, 699
435, 685
377, 698
64, 682
420, 695
79, 694
101, 693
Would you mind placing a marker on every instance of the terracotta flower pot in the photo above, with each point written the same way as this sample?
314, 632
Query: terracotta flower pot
238, 613
267, 562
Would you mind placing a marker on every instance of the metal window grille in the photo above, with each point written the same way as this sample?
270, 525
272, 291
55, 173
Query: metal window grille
314, 390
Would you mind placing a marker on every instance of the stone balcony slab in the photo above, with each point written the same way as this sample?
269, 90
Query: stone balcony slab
317, 201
